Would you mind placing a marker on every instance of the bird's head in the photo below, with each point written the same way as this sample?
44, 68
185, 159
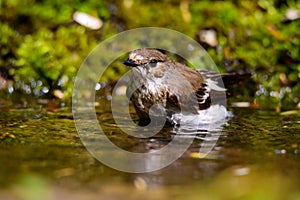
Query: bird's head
144, 56
149, 63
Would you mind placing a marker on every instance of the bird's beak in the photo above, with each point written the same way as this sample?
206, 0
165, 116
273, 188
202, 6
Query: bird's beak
130, 63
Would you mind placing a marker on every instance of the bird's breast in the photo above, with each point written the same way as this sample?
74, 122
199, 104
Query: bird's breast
144, 93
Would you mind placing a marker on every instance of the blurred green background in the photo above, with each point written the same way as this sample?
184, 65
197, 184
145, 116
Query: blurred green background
42, 47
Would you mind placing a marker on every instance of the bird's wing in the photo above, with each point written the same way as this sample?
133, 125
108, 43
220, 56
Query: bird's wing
218, 87
227, 80
212, 90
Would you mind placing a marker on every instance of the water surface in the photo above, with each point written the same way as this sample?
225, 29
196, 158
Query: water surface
41, 155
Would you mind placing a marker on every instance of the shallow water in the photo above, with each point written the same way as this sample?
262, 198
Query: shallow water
256, 157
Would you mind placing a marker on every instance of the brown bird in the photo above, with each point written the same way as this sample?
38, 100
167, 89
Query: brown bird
159, 85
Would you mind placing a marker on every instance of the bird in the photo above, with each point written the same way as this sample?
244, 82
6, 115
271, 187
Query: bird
159, 86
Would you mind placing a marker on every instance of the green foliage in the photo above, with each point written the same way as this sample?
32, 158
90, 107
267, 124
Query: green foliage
42, 48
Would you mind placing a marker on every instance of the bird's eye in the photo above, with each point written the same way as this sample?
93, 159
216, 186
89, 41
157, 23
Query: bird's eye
153, 62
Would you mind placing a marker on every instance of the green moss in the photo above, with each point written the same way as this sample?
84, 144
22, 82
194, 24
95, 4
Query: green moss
40, 42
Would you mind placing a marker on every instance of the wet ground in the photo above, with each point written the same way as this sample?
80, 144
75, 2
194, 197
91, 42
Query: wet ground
256, 157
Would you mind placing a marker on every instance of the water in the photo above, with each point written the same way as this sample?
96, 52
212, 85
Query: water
256, 157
